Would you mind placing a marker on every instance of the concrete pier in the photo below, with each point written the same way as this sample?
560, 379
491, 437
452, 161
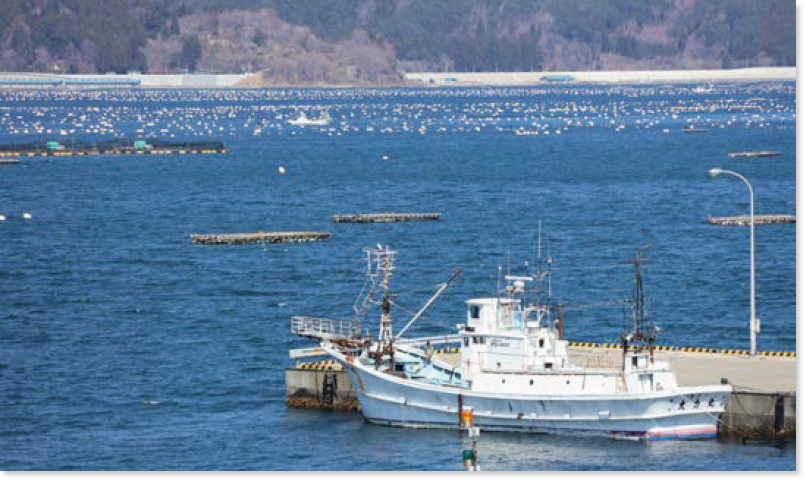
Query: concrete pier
752, 416
384, 217
762, 406
259, 237
320, 385
770, 372
746, 220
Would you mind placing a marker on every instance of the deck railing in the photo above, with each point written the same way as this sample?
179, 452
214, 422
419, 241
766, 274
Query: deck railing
322, 328
445, 339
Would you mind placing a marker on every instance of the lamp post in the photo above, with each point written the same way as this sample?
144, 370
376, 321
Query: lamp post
753, 322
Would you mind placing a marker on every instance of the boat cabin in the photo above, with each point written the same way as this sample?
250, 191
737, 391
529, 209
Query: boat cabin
501, 335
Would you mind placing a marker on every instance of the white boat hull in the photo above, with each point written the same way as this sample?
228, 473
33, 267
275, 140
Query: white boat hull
685, 413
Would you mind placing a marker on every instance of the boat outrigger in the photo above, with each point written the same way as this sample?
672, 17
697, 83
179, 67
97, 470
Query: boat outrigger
515, 372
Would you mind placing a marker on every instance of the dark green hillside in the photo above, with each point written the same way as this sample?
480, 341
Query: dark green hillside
77, 35
457, 35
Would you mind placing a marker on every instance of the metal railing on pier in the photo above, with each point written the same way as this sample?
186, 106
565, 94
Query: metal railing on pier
322, 328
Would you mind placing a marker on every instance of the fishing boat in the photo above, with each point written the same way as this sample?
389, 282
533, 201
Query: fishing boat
515, 373
302, 120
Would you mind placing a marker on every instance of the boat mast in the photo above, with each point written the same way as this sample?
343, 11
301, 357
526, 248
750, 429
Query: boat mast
549, 278
381, 263
539, 269
639, 329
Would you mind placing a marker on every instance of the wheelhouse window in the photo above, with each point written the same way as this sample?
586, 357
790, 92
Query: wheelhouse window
474, 312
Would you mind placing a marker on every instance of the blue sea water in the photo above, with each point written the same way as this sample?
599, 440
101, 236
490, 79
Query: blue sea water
124, 346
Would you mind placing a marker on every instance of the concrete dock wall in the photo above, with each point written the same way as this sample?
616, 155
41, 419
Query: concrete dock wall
306, 388
751, 415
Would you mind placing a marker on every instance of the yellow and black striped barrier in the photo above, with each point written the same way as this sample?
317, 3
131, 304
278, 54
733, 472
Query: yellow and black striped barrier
331, 365
684, 349
779, 354
328, 365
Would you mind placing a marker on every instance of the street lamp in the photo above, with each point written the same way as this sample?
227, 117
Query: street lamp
753, 324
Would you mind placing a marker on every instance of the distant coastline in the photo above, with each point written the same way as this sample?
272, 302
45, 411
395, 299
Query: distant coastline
19, 80
632, 76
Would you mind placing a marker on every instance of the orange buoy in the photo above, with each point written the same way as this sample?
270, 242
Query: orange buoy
467, 417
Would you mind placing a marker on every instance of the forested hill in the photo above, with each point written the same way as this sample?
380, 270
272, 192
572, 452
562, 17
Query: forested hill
375, 40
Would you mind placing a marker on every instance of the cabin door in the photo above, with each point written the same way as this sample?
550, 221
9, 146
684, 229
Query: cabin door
646, 381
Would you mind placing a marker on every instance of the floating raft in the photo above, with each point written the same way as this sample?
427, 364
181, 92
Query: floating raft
384, 217
260, 237
746, 220
752, 154
110, 147
694, 130
7, 161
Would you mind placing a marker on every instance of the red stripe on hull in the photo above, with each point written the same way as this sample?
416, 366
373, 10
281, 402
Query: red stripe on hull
682, 432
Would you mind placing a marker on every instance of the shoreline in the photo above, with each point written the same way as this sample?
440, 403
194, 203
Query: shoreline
32, 80
605, 77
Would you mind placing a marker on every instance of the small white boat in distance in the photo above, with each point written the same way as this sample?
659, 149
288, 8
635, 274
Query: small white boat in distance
302, 120
515, 373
